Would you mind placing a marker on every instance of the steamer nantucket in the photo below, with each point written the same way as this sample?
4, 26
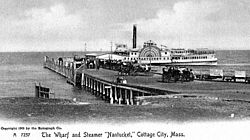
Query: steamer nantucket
152, 54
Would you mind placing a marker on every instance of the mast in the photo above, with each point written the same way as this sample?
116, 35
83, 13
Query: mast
111, 45
85, 47
134, 36
150, 55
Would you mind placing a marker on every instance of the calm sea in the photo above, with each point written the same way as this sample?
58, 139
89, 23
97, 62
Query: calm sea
21, 70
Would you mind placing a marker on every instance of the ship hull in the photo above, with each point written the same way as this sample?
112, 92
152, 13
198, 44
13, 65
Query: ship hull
204, 63
212, 62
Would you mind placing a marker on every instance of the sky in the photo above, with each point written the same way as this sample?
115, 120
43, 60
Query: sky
72, 25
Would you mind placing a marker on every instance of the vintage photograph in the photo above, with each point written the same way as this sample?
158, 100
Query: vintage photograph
124, 69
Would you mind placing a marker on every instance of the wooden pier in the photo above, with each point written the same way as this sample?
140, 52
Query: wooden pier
103, 83
61, 69
110, 91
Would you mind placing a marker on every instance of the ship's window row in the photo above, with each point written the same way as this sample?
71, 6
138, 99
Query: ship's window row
146, 58
193, 51
154, 58
194, 57
181, 52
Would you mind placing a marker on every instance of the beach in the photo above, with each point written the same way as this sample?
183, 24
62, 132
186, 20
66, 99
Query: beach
158, 109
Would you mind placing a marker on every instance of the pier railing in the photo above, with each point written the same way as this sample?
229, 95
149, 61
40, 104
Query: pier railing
56, 66
113, 92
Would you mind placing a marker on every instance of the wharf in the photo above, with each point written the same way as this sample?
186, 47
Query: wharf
102, 83
213, 89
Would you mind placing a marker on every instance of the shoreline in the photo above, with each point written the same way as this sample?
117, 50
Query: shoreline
166, 110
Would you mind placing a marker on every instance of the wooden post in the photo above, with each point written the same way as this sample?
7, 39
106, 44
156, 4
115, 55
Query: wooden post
115, 92
126, 97
120, 94
45, 61
94, 87
88, 85
107, 97
64, 71
131, 97
67, 72
111, 96
100, 88
103, 91
97, 88
82, 82
74, 81
39, 89
138, 102
86, 82
88, 88
91, 84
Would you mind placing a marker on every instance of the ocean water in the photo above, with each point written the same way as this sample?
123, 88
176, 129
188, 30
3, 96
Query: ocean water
234, 60
21, 70
229, 61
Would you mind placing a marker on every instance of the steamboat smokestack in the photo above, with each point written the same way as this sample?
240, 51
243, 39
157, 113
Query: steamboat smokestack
134, 36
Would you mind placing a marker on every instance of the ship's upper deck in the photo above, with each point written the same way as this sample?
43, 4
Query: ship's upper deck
181, 51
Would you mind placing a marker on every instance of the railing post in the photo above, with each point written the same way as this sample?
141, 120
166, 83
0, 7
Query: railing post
126, 97
115, 92
82, 80
111, 96
131, 97
120, 96
103, 91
